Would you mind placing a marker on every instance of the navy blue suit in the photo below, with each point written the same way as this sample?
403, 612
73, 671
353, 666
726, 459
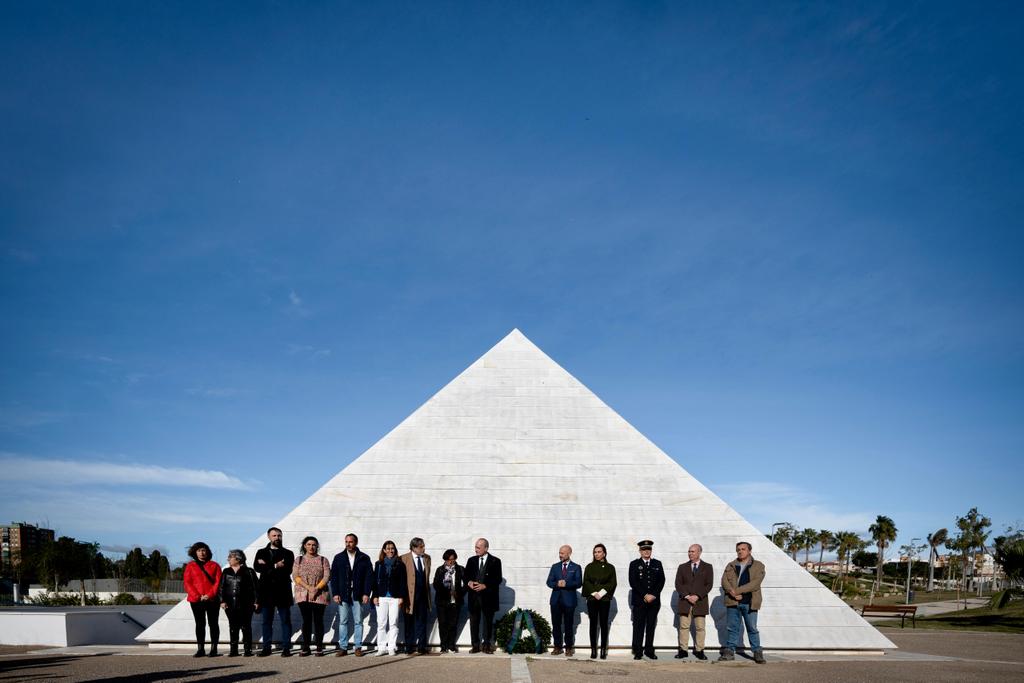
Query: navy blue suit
351, 584
563, 601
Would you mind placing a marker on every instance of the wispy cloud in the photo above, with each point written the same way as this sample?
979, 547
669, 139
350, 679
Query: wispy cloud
213, 392
296, 306
763, 503
54, 471
16, 420
308, 351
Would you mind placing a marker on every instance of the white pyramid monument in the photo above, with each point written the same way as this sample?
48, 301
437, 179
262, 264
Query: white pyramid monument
517, 450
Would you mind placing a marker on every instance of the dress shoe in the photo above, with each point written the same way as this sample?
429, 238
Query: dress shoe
556, 651
341, 652
593, 653
247, 653
637, 656
699, 654
213, 652
489, 649
454, 648
304, 653
682, 654
474, 650
265, 652
286, 653
233, 652
320, 652
200, 653
422, 651
358, 652
650, 654
604, 652
759, 656
570, 651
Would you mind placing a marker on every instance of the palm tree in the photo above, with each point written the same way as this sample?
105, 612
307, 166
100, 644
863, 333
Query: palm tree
847, 543
934, 541
825, 538
883, 532
808, 538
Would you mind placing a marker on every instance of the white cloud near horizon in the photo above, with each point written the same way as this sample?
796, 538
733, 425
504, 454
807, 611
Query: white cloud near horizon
57, 471
762, 503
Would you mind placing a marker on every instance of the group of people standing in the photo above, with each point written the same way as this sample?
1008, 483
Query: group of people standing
395, 584
402, 585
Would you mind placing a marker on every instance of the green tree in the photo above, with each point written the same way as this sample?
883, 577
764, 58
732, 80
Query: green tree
826, 541
847, 543
883, 532
934, 541
1009, 554
808, 539
972, 535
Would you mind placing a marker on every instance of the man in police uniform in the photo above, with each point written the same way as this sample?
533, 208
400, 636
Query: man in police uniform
646, 579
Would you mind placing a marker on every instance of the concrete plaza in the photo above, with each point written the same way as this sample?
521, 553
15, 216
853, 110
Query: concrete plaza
924, 655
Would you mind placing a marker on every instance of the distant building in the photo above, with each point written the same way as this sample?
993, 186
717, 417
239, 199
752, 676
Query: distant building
19, 540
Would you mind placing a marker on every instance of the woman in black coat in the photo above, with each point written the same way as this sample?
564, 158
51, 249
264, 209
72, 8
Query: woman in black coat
448, 592
237, 594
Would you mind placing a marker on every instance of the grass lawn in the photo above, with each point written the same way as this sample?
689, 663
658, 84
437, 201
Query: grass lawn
1010, 619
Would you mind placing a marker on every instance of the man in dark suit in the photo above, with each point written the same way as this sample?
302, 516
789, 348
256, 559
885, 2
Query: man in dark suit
646, 579
563, 580
483, 577
351, 584
694, 580
417, 608
274, 565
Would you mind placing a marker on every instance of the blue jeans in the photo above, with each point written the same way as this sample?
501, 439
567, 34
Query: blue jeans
739, 615
285, 614
346, 610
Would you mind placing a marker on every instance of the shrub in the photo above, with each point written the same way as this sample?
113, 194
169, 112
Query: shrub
124, 599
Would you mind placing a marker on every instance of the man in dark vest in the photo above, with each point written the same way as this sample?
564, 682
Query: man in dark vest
274, 565
694, 580
417, 610
646, 579
742, 585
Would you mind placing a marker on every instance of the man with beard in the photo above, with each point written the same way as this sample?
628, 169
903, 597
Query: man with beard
274, 565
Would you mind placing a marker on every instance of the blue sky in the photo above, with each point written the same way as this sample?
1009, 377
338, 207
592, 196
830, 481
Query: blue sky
240, 242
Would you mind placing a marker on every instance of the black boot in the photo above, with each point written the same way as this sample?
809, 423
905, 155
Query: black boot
213, 650
200, 652
593, 652
604, 652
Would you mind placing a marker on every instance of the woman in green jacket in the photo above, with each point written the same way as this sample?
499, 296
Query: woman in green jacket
598, 586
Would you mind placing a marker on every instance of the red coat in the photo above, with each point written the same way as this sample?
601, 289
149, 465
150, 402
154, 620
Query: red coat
196, 583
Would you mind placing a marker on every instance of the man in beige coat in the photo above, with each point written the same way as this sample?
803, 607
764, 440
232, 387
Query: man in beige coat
742, 585
417, 607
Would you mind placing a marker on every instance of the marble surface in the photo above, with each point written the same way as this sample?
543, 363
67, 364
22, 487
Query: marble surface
517, 450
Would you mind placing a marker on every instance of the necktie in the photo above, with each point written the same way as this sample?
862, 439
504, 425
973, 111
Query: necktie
694, 567
564, 569
419, 564
481, 569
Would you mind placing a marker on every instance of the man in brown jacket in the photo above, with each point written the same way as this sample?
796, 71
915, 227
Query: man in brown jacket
742, 585
694, 580
417, 608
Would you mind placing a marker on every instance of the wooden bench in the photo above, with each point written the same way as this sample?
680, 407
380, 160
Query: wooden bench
903, 611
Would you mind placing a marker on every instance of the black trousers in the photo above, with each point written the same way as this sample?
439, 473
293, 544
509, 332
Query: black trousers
312, 620
476, 611
447, 621
645, 617
562, 618
597, 610
206, 611
240, 619
416, 624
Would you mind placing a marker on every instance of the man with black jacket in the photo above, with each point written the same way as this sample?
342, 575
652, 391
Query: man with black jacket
351, 585
483, 578
274, 565
646, 579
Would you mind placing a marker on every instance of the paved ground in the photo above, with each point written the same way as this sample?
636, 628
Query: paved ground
925, 656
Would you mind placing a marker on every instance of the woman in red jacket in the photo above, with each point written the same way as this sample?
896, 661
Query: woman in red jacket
202, 577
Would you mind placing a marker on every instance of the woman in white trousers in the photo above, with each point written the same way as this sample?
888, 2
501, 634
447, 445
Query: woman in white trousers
389, 593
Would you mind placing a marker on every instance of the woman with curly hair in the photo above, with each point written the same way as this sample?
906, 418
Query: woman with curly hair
311, 573
202, 579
